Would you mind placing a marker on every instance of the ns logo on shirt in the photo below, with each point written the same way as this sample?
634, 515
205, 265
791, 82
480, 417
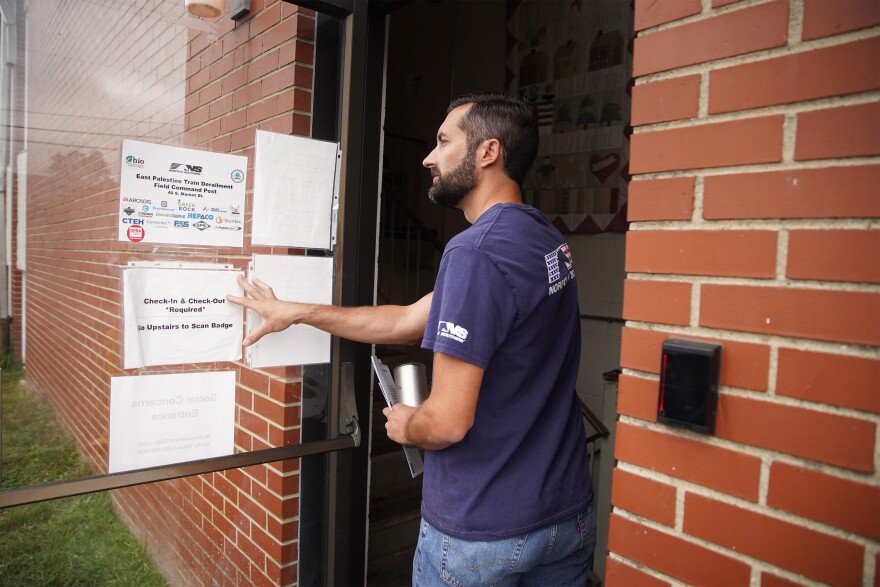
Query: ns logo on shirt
450, 330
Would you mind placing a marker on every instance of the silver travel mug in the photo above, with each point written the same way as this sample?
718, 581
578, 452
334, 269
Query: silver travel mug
412, 383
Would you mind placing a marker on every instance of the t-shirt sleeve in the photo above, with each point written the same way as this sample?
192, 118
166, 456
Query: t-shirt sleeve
475, 309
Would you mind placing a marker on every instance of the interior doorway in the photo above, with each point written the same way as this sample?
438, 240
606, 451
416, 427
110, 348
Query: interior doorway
572, 58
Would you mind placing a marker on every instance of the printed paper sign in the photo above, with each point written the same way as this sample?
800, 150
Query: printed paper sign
183, 196
180, 315
162, 419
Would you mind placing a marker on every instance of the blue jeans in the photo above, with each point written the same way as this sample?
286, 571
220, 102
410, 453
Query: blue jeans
560, 555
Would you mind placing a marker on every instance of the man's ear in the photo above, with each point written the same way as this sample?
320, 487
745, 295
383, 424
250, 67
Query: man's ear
489, 153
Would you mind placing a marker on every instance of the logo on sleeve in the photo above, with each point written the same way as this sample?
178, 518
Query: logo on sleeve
450, 330
556, 260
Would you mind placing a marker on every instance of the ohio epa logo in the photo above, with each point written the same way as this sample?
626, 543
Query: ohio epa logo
237, 176
450, 330
133, 161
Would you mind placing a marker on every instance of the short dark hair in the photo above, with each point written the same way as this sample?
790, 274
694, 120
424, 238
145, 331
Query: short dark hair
510, 119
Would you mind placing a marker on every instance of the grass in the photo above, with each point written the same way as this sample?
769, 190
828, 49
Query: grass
65, 542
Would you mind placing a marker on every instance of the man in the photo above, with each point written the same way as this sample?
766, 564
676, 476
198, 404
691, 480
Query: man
507, 497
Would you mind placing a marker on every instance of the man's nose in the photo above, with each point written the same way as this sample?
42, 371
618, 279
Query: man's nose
429, 160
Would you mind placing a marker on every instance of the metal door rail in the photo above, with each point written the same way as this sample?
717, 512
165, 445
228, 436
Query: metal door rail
34, 494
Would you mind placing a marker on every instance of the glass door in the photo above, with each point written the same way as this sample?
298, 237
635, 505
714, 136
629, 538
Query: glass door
142, 150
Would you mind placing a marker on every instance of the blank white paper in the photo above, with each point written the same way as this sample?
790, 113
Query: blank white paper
294, 184
296, 279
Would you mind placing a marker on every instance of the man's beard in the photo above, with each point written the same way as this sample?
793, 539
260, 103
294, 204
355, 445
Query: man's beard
453, 186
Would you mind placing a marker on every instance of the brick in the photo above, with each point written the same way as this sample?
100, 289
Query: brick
674, 556
726, 35
245, 96
661, 199
254, 424
803, 551
198, 116
233, 121
770, 580
839, 316
834, 255
253, 510
221, 67
219, 107
849, 131
305, 27
720, 144
234, 39
282, 508
650, 13
210, 93
262, 110
253, 380
277, 413
280, 553
285, 392
297, 51
718, 468
265, 19
644, 497
263, 65
284, 531
834, 501
275, 82
234, 80
192, 66
838, 380
830, 192
728, 253
295, 99
284, 31
284, 485
832, 17
820, 73
280, 124
843, 441
241, 564
302, 76
209, 131
666, 302
301, 125
744, 365
618, 574
197, 80
637, 397
226, 489
257, 473
239, 479
666, 100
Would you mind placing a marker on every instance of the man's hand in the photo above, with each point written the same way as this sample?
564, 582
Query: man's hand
275, 314
398, 419
448, 413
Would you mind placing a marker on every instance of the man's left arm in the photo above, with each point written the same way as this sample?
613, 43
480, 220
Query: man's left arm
446, 416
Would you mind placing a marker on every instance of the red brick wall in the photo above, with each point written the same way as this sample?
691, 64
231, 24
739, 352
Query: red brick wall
209, 89
754, 207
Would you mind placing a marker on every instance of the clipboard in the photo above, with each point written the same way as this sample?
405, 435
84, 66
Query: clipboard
389, 391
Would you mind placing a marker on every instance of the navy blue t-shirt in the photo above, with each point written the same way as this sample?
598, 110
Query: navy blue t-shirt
506, 300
